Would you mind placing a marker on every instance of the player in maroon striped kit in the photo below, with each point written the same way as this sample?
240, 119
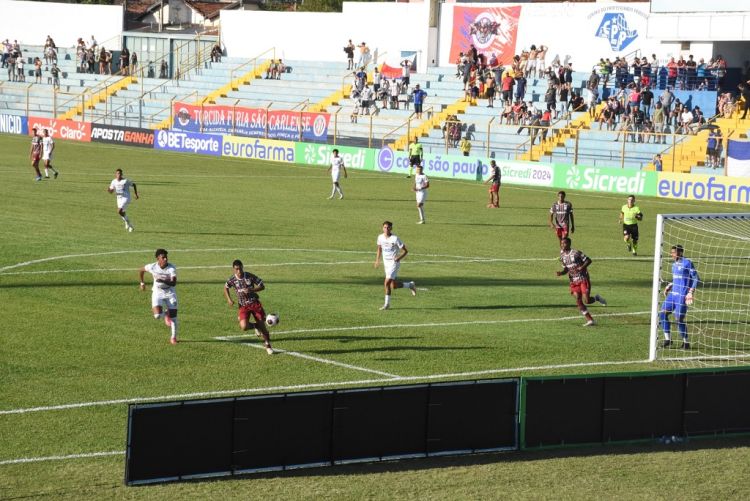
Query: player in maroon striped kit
575, 265
561, 217
247, 286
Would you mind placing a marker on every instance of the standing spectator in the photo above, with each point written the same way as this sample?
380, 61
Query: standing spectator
657, 162
125, 61
37, 70
711, 145
102, 61
745, 92
541, 56
55, 72
377, 78
507, 86
671, 72
550, 97
405, 72
6, 53
134, 63
419, 96
163, 69
349, 50
19, 67
490, 92
91, 60
647, 97
364, 55
691, 68
667, 99
721, 72
520, 93
93, 43
682, 73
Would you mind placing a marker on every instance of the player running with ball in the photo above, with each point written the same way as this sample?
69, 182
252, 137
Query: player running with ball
247, 286
679, 296
575, 265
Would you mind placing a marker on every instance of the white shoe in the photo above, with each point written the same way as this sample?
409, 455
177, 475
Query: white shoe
330, 198
589, 323
385, 307
269, 350
413, 289
421, 221
341, 196
130, 229
601, 300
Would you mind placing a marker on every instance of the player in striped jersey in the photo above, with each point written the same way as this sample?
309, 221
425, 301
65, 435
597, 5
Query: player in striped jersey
35, 154
247, 286
561, 217
575, 265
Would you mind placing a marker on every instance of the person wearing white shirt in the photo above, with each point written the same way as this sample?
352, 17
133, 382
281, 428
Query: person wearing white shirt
421, 183
163, 295
120, 186
392, 250
337, 165
48, 146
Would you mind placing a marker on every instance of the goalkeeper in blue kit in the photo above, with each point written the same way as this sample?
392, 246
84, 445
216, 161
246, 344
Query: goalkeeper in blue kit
679, 296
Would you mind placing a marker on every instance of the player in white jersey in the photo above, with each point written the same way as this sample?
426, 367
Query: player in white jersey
48, 146
337, 165
393, 250
120, 186
421, 183
163, 296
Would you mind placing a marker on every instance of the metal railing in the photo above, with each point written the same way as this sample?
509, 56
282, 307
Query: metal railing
245, 67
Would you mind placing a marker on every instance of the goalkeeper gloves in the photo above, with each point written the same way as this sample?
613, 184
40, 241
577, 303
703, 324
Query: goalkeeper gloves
689, 298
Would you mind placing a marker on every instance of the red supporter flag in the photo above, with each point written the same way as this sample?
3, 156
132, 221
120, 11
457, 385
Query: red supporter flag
390, 71
489, 29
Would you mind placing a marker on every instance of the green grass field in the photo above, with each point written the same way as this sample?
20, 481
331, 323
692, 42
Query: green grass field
79, 340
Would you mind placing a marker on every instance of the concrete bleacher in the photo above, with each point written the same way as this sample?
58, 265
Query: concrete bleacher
18, 98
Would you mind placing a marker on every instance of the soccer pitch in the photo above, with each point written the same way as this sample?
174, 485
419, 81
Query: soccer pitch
79, 340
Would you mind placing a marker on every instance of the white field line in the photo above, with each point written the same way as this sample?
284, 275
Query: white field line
463, 260
438, 324
308, 386
62, 458
319, 359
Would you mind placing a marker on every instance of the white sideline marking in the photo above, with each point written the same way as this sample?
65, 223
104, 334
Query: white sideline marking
218, 393
440, 324
62, 458
318, 359
461, 260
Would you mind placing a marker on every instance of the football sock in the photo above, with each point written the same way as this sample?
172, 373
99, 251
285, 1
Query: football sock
333, 191
46, 172
125, 218
338, 188
682, 327
158, 316
387, 299
635, 246
408, 285
53, 169
173, 327
666, 326
421, 213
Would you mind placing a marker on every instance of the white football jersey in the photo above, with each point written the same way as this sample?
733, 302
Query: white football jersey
47, 144
336, 164
162, 273
421, 181
121, 187
389, 246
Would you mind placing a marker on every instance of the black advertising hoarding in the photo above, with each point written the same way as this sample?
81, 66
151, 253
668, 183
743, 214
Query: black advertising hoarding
129, 136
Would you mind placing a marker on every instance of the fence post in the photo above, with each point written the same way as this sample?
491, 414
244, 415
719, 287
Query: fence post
83, 106
171, 112
622, 151
674, 149
335, 125
369, 136
575, 149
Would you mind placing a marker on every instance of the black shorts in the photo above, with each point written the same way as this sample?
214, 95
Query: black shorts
415, 160
418, 108
711, 151
632, 230
490, 92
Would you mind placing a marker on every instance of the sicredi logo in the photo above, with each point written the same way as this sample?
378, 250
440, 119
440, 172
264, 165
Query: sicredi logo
385, 159
573, 177
310, 154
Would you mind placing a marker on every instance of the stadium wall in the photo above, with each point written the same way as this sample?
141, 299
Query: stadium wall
31, 22
314, 36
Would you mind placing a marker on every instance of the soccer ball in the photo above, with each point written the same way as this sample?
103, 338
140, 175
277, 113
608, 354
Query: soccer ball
272, 319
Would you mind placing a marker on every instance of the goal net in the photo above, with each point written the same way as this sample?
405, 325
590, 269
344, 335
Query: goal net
717, 320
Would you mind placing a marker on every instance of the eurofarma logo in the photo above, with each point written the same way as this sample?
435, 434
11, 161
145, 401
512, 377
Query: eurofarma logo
704, 188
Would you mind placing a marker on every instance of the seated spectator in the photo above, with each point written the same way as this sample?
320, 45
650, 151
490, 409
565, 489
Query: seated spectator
624, 128
280, 68
577, 103
606, 116
216, 53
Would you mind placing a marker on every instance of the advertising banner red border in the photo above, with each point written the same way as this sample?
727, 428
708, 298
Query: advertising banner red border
61, 129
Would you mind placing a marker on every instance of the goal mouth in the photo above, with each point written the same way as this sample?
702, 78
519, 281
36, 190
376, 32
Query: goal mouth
703, 261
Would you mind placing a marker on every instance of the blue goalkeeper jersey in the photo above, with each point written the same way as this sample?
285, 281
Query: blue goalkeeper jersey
684, 277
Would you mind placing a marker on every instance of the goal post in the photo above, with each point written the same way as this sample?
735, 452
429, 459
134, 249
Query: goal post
717, 323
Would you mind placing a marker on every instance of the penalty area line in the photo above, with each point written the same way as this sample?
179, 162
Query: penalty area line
84, 455
318, 359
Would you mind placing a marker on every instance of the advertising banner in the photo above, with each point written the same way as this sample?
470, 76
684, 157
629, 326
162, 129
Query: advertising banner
526, 173
258, 149
251, 122
188, 142
738, 158
14, 124
129, 136
455, 167
320, 154
489, 29
703, 188
609, 180
389, 160
61, 129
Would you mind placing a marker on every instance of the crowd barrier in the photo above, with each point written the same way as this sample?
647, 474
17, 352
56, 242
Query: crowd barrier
170, 441
693, 187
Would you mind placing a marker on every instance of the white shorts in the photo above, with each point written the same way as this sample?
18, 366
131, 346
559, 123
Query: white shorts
46, 156
335, 177
421, 196
123, 202
166, 298
391, 269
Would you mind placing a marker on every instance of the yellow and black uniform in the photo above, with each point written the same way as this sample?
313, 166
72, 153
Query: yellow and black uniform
630, 218
415, 155
465, 146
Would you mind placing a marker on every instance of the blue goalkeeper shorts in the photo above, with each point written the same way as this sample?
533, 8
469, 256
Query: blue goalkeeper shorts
675, 304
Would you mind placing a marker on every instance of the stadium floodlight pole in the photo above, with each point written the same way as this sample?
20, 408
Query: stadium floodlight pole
655, 289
